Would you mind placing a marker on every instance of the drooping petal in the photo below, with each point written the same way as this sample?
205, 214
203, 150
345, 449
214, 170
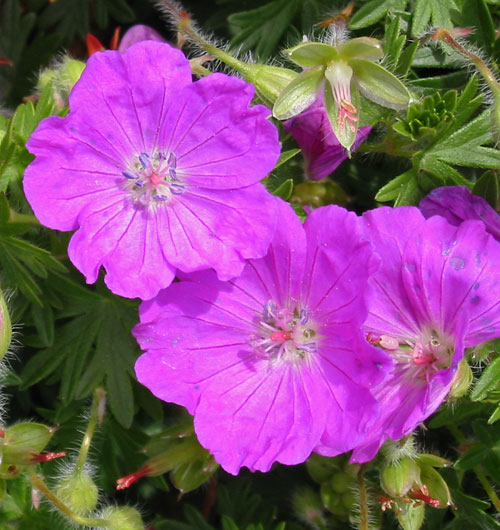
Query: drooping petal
321, 149
457, 204
138, 33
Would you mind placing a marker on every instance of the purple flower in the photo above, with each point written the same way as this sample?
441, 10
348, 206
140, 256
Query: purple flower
435, 294
457, 204
154, 171
138, 33
321, 149
273, 364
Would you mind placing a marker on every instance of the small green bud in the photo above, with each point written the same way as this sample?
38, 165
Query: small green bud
47, 76
123, 518
269, 81
23, 443
462, 380
69, 73
332, 501
318, 193
5, 327
321, 468
307, 507
79, 492
398, 478
411, 516
340, 482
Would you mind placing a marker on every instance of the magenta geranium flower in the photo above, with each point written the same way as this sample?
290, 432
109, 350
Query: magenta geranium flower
435, 294
155, 172
458, 204
321, 149
273, 364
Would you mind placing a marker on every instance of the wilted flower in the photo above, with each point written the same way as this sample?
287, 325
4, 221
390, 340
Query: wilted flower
272, 365
340, 70
457, 204
155, 172
435, 294
321, 149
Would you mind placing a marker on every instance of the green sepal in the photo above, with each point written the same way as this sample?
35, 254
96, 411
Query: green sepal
379, 85
23, 441
298, 95
307, 54
284, 190
436, 485
361, 48
398, 478
411, 516
347, 135
432, 460
269, 81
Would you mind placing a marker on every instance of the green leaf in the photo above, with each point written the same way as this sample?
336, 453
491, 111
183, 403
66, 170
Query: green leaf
298, 95
393, 189
394, 42
261, 29
475, 14
422, 12
487, 188
495, 416
406, 58
308, 54
285, 156
284, 191
373, 11
489, 381
379, 85
228, 523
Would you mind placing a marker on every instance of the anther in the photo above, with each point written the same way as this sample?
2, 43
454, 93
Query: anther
144, 160
172, 160
129, 175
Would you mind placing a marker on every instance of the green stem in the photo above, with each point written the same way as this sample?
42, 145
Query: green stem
95, 417
363, 500
38, 483
15, 217
487, 487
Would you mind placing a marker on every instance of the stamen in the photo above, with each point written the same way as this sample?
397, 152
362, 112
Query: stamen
144, 160
303, 317
172, 161
129, 175
172, 173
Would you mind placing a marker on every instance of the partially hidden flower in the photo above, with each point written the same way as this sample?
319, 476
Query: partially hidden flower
138, 33
435, 294
155, 172
273, 364
340, 71
457, 204
321, 149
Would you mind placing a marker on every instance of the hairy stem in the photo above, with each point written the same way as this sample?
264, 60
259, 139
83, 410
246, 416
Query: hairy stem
363, 500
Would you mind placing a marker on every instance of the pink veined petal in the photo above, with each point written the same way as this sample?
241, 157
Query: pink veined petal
68, 173
455, 271
218, 229
125, 96
220, 142
253, 420
390, 311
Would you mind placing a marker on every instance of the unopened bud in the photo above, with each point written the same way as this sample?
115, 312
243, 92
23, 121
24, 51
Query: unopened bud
5, 327
462, 380
321, 468
398, 478
122, 518
307, 507
79, 492
24, 442
269, 81
319, 193
69, 73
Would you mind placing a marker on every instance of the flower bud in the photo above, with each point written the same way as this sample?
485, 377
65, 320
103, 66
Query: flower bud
122, 518
318, 193
340, 482
79, 492
307, 507
398, 478
5, 327
69, 73
23, 443
462, 380
332, 501
321, 468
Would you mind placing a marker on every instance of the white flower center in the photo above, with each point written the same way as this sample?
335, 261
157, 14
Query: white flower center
152, 179
285, 334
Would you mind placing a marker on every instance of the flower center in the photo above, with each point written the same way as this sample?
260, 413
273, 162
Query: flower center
152, 179
285, 334
419, 359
